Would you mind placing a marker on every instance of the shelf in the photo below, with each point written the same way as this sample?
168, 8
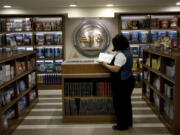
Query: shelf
49, 87
47, 31
13, 124
48, 45
168, 78
159, 73
89, 118
21, 94
8, 32
87, 97
49, 59
161, 29
49, 72
146, 29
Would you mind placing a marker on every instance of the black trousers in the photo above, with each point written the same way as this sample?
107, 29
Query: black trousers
122, 91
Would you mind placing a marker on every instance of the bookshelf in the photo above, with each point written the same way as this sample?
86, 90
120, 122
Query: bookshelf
86, 93
161, 85
18, 88
42, 33
143, 31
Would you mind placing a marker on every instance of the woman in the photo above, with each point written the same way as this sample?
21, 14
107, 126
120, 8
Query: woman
123, 82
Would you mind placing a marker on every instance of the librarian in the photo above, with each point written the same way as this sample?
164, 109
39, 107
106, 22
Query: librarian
123, 82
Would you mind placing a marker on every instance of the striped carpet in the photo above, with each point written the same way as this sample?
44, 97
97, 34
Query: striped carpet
46, 119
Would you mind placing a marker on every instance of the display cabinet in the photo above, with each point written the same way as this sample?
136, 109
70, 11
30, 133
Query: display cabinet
18, 88
161, 85
87, 95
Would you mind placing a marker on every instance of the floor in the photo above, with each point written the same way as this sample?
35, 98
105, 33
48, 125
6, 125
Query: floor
46, 119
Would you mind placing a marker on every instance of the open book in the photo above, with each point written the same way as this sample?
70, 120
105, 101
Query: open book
105, 57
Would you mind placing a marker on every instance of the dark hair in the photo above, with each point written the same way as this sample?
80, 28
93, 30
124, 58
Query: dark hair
120, 43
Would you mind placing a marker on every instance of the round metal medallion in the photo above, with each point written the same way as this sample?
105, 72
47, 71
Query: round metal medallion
90, 38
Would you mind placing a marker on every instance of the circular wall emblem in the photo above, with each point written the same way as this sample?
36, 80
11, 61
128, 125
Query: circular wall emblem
90, 38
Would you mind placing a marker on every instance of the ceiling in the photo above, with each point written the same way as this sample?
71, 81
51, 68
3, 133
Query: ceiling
44, 4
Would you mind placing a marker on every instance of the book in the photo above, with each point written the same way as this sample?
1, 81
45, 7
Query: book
105, 57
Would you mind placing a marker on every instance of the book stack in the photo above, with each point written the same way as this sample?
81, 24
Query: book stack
6, 73
20, 67
156, 63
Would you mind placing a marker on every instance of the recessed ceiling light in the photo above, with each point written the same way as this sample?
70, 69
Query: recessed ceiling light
109, 5
73, 5
178, 3
7, 6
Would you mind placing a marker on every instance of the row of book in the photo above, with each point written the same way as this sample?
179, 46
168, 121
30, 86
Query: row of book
49, 52
159, 35
143, 36
19, 24
40, 24
48, 24
165, 23
49, 79
90, 88
6, 72
137, 50
147, 23
49, 65
88, 106
135, 24
48, 38
18, 39
136, 37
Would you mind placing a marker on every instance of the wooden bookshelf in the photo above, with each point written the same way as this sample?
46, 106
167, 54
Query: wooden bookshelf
84, 72
34, 24
168, 94
11, 59
144, 22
